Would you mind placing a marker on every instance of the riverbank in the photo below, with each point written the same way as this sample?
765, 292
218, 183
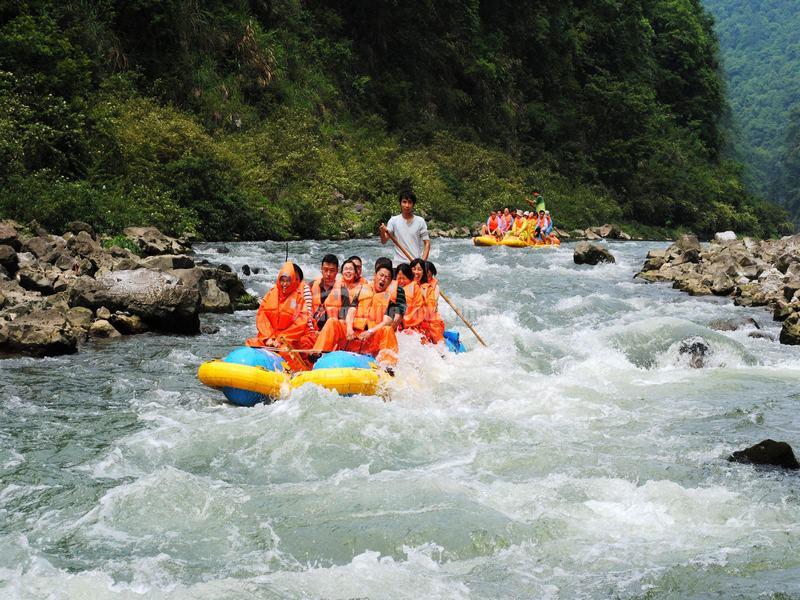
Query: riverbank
758, 273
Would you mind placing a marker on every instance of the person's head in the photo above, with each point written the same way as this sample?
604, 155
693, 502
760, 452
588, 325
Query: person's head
418, 269
356, 260
430, 270
383, 262
407, 202
349, 271
541, 214
403, 274
506, 211
329, 268
535, 195
493, 213
289, 277
383, 276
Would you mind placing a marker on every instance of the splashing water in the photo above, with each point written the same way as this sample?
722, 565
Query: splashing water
578, 456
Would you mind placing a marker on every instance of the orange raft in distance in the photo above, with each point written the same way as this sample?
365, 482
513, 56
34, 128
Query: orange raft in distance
490, 240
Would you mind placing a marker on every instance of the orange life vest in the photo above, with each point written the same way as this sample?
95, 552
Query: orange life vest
281, 314
332, 305
372, 306
415, 306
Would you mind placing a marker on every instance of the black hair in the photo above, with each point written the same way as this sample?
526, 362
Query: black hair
421, 263
383, 263
298, 271
429, 266
330, 259
408, 195
354, 257
405, 269
347, 262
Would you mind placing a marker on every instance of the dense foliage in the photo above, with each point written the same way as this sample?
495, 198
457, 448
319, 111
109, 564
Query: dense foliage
273, 118
760, 43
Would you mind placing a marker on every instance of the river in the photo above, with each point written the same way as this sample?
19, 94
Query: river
578, 456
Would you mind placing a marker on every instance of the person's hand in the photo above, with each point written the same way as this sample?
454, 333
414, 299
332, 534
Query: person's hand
365, 335
383, 229
350, 334
271, 343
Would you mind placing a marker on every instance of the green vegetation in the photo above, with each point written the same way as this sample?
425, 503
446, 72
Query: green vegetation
250, 119
121, 241
760, 44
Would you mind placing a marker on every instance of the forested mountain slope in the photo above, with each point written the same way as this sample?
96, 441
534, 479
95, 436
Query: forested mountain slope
260, 118
760, 43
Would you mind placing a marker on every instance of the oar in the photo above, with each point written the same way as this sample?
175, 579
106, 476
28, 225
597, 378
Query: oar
441, 293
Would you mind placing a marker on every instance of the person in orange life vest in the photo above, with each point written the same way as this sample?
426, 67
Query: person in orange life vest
508, 220
367, 328
425, 275
322, 288
415, 300
282, 314
346, 290
492, 225
357, 263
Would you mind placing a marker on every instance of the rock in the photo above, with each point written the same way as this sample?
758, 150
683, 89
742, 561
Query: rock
159, 298
75, 227
786, 261
151, 241
9, 236
103, 329
761, 335
724, 236
40, 279
8, 259
607, 231
722, 285
688, 248
40, 333
655, 260
733, 324
213, 299
246, 270
790, 330
256, 270
768, 452
209, 329
590, 235
697, 349
79, 318
167, 262
223, 250
224, 267
40, 247
624, 236
128, 324
82, 244
591, 254
103, 313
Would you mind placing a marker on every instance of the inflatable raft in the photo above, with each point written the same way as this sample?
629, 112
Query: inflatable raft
250, 376
490, 240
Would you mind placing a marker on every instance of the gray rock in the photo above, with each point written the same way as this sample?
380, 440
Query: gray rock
8, 259
768, 452
590, 235
40, 247
79, 318
159, 298
733, 324
724, 236
591, 254
128, 324
40, 333
697, 349
167, 262
246, 270
9, 235
151, 241
209, 329
75, 227
40, 279
82, 244
763, 335
103, 313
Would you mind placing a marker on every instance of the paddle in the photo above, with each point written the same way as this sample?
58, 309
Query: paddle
441, 293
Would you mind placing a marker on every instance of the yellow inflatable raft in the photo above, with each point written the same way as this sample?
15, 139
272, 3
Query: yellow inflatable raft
490, 240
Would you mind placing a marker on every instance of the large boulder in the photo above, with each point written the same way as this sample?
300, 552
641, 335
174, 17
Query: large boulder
8, 259
103, 329
591, 254
75, 227
151, 241
9, 235
44, 279
82, 244
724, 236
39, 333
790, 330
167, 262
768, 452
159, 298
213, 299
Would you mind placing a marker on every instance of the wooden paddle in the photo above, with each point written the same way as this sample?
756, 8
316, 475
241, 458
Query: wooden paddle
441, 293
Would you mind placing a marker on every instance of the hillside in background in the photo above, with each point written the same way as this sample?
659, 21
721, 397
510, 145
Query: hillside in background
270, 119
760, 45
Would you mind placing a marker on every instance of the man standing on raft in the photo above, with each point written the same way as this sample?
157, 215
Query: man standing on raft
409, 229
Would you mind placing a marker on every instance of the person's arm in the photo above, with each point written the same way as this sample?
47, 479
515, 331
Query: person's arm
263, 324
426, 240
384, 230
426, 250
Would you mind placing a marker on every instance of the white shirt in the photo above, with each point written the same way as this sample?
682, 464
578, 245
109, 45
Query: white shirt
412, 235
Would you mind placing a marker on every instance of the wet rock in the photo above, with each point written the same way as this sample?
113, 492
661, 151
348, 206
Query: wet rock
8, 259
223, 250
790, 330
697, 349
246, 270
159, 298
733, 324
722, 285
40, 333
256, 270
103, 313
103, 329
213, 299
655, 260
762, 335
209, 329
768, 452
224, 267
128, 324
151, 241
591, 254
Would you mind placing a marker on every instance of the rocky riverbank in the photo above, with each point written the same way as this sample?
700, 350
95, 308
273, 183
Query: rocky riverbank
753, 273
57, 291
